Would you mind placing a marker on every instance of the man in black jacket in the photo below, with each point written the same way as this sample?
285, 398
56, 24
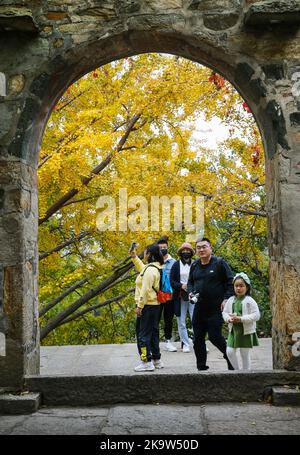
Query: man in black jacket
211, 278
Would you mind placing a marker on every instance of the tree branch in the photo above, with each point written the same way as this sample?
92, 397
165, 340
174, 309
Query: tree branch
56, 320
251, 212
44, 160
62, 245
86, 180
98, 305
62, 296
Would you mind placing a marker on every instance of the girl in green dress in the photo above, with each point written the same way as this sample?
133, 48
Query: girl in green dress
241, 313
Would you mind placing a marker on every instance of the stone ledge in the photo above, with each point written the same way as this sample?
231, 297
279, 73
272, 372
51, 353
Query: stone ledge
25, 403
17, 19
230, 386
286, 396
273, 12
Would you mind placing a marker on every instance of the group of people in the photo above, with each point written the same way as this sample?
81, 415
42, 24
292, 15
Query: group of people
207, 289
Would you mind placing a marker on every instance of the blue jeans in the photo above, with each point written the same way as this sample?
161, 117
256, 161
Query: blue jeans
181, 320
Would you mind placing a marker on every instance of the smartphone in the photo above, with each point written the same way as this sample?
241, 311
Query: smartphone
133, 247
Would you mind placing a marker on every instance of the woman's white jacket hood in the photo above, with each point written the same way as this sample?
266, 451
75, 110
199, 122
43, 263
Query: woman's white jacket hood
250, 314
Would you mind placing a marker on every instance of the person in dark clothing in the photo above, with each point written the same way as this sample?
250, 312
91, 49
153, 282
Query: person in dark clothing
167, 308
210, 280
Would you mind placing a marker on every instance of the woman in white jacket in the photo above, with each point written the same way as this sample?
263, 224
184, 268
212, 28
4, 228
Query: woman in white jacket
241, 313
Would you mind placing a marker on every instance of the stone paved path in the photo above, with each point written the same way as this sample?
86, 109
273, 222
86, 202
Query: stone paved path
122, 358
210, 419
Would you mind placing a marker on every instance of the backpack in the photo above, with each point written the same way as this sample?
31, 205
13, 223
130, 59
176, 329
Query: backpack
165, 292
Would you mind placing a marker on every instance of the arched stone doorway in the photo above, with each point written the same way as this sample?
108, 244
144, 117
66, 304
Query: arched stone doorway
45, 49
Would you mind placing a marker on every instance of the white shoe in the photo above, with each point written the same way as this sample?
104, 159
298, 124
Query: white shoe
207, 350
145, 366
186, 348
158, 364
170, 347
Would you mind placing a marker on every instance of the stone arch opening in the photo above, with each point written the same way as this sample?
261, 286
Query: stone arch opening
43, 331
83, 70
259, 78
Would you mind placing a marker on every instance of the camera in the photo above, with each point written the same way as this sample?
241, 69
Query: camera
193, 298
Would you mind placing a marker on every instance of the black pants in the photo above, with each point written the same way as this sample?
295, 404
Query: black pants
147, 333
211, 325
168, 310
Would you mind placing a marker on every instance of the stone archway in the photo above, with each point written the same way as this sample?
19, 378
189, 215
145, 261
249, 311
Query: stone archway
46, 48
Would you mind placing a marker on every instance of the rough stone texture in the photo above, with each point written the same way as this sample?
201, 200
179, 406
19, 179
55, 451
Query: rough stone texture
120, 360
155, 420
25, 403
252, 419
45, 46
16, 84
270, 12
2, 85
155, 388
18, 224
17, 19
209, 5
286, 314
220, 21
286, 396
60, 421
210, 419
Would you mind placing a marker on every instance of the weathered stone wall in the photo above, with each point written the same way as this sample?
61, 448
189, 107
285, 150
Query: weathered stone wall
46, 45
18, 257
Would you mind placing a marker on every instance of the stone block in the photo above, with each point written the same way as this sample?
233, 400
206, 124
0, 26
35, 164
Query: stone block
17, 19
286, 396
160, 5
16, 84
220, 21
273, 12
276, 115
56, 15
128, 6
274, 71
295, 119
144, 388
24, 403
251, 419
154, 420
8, 115
2, 84
104, 11
214, 5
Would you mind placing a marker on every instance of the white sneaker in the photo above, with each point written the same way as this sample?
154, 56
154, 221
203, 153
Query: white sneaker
158, 364
170, 347
186, 348
145, 366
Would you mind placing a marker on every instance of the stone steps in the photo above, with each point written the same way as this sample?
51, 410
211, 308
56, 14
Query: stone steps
202, 387
286, 396
23, 403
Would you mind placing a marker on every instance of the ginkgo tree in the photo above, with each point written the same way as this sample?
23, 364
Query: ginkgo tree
130, 125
